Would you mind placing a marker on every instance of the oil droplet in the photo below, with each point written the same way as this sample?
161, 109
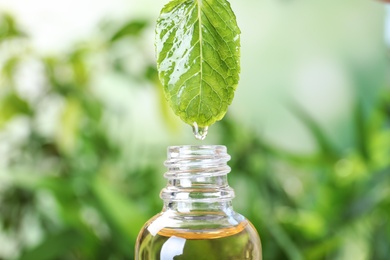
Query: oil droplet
199, 132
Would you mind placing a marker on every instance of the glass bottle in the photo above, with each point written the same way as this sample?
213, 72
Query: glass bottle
197, 220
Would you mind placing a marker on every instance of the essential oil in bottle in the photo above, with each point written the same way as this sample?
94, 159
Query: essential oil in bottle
198, 221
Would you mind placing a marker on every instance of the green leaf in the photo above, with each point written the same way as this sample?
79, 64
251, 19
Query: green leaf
9, 28
12, 105
121, 213
132, 28
198, 51
362, 137
328, 150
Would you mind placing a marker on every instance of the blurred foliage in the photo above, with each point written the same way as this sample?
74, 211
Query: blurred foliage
68, 190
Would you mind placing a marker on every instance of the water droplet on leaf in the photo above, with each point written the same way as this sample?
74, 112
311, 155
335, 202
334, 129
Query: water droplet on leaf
199, 132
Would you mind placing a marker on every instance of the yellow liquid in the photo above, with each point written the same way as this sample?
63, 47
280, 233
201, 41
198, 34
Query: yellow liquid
239, 242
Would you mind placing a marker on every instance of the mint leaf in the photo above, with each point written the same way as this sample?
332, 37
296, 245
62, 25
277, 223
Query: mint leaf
198, 51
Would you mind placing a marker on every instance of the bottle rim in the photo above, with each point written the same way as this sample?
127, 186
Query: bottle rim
198, 151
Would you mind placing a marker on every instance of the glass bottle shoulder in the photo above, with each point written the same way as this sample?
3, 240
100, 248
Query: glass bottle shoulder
195, 221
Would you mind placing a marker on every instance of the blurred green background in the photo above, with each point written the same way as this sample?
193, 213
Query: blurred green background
84, 128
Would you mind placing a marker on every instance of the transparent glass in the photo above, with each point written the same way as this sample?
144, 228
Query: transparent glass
197, 220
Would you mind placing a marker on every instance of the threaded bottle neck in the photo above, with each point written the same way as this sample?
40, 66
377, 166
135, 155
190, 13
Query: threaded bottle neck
197, 175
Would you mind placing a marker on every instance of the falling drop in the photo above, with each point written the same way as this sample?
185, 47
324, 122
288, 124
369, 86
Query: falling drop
199, 132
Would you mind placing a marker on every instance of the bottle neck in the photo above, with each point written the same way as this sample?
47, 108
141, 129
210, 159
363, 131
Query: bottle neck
197, 179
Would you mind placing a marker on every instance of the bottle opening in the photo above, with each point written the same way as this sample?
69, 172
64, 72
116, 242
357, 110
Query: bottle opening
197, 151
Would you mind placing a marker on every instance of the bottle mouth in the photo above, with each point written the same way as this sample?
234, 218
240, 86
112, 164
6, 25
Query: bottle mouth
197, 151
